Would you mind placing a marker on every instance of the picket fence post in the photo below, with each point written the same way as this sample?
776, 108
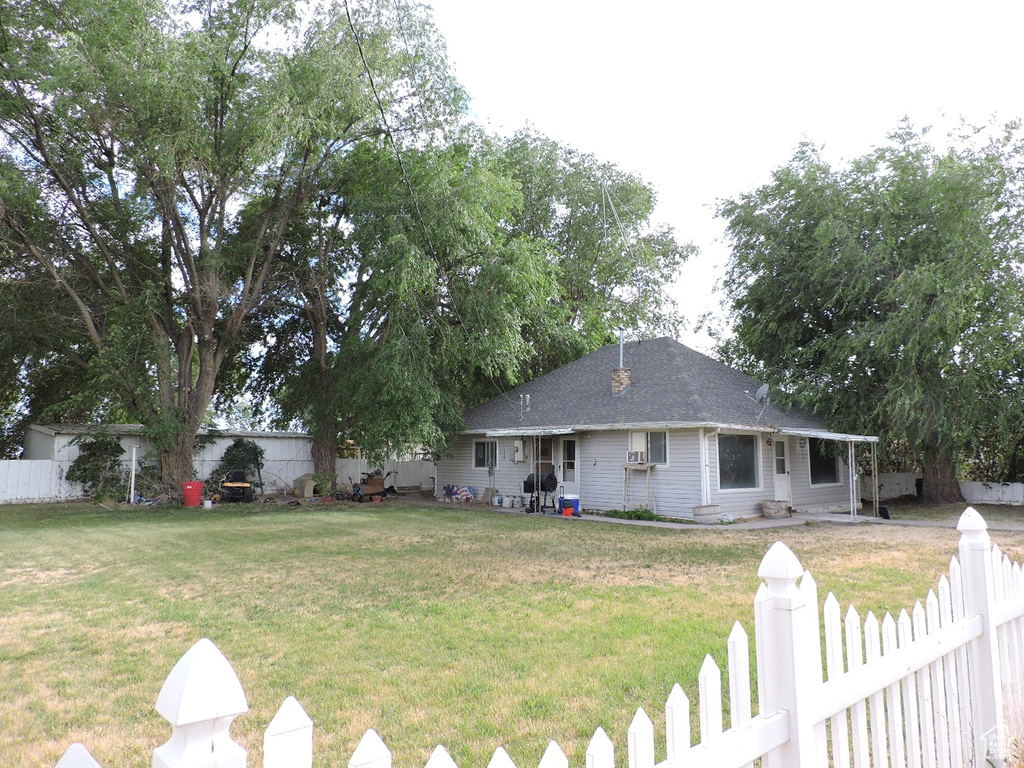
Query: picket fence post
979, 587
200, 698
288, 740
789, 656
77, 756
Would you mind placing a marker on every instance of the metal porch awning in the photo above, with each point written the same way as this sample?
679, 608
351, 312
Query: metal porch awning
851, 464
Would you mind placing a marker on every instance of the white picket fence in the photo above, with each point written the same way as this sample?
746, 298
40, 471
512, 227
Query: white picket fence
940, 686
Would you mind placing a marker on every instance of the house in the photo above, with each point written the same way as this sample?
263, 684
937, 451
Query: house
654, 424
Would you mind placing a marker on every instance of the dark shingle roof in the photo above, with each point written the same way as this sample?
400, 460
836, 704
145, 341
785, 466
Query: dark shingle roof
672, 386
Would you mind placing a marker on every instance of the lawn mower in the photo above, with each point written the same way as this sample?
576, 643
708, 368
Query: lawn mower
235, 487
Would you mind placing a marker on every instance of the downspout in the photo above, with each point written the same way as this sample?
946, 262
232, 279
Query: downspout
851, 465
874, 479
705, 470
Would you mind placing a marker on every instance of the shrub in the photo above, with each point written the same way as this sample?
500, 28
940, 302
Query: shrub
641, 513
241, 454
98, 466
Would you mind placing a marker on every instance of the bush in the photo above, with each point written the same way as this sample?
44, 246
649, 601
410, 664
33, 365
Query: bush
641, 513
98, 466
241, 454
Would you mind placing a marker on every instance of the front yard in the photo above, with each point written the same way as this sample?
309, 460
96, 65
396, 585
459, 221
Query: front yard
431, 624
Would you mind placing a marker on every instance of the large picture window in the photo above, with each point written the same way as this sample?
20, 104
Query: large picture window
824, 462
737, 462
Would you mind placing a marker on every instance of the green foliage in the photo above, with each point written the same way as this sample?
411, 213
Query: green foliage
418, 287
593, 219
640, 513
324, 483
118, 190
241, 454
98, 466
887, 295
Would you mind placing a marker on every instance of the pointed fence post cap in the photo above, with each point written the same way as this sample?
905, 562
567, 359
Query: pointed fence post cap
971, 522
780, 569
202, 686
77, 756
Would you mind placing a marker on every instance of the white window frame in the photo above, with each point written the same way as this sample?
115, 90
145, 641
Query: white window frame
490, 452
758, 459
641, 441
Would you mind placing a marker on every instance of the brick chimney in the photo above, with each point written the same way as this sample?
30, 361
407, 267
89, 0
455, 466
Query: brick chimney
620, 380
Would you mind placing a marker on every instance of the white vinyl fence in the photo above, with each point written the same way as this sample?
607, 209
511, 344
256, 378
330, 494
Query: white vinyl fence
407, 474
892, 485
23, 480
939, 686
42, 480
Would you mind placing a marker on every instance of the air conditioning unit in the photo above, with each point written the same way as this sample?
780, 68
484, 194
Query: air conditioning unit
636, 457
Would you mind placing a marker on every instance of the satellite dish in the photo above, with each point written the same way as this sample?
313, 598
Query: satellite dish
762, 394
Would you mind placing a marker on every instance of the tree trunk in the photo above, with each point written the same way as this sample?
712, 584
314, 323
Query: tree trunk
176, 464
324, 432
324, 455
940, 483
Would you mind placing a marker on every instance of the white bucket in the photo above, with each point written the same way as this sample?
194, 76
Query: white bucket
497, 501
207, 504
507, 502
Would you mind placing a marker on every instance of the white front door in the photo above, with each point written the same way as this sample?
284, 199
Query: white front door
782, 490
569, 467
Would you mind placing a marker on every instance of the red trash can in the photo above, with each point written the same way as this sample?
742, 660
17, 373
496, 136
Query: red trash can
193, 493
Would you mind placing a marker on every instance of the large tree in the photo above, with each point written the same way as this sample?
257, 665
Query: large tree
401, 287
886, 295
431, 275
134, 130
613, 261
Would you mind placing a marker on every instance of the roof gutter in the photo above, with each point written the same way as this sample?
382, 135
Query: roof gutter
531, 432
650, 426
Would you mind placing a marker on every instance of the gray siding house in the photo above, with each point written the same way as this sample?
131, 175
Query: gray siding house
653, 424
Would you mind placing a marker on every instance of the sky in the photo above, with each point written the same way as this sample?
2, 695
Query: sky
705, 99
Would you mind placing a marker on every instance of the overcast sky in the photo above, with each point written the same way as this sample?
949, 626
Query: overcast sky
705, 99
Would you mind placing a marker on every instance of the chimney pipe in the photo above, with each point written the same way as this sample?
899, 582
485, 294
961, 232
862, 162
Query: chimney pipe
620, 376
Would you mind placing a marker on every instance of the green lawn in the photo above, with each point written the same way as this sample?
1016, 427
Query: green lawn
431, 624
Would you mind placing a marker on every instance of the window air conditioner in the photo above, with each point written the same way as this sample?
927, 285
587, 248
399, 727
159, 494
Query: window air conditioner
636, 457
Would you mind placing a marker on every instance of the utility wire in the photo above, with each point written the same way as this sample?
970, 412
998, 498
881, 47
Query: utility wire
405, 176
387, 129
